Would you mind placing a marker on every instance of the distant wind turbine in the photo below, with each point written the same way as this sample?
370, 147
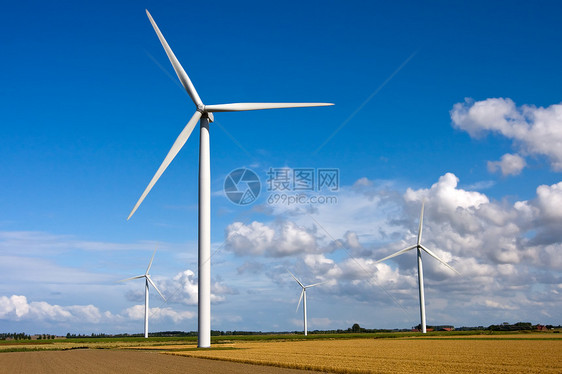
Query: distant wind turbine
204, 113
420, 248
147, 279
303, 299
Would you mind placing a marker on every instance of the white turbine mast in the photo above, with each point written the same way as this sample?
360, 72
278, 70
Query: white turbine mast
303, 299
204, 114
147, 280
419, 247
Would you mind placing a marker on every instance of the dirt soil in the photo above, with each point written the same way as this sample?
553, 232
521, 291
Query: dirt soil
86, 361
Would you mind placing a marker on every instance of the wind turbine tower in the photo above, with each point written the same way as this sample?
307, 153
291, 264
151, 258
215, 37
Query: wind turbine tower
204, 114
419, 248
303, 299
147, 280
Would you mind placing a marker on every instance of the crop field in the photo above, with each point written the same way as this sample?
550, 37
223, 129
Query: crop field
403, 355
367, 353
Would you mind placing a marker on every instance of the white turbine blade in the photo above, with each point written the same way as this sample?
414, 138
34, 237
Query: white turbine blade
137, 277
150, 263
316, 284
396, 254
438, 259
300, 299
178, 144
156, 288
421, 224
182, 75
238, 107
295, 278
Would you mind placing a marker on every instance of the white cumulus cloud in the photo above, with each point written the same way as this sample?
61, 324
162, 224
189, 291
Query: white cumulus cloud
534, 130
503, 250
279, 239
17, 307
509, 165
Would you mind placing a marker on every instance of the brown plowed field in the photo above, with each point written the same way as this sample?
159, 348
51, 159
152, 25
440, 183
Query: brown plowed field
102, 361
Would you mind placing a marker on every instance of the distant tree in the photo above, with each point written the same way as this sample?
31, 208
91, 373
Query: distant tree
355, 328
524, 326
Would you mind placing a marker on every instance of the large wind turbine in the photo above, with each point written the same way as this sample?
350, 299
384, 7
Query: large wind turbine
303, 299
147, 280
204, 113
419, 247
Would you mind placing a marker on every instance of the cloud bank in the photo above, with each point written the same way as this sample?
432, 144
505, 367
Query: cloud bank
507, 253
18, 308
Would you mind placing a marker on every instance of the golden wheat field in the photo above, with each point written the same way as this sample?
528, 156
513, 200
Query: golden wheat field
445, 355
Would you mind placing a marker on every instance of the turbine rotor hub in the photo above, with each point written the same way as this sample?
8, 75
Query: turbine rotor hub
204, 113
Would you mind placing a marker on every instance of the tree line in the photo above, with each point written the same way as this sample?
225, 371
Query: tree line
519, 326
45, 336
15, 336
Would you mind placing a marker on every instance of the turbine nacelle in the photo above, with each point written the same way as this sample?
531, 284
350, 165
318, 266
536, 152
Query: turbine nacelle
206, 114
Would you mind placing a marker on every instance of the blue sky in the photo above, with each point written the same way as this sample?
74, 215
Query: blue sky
456, 104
